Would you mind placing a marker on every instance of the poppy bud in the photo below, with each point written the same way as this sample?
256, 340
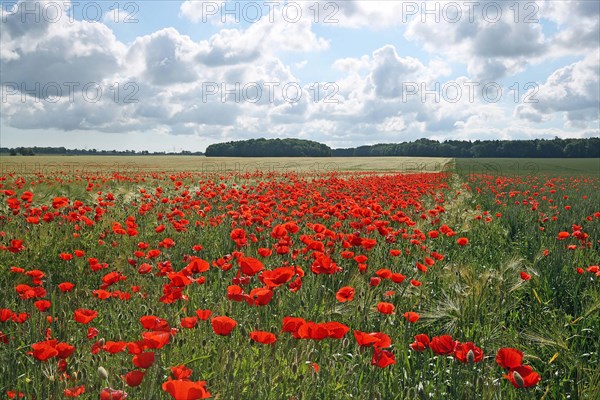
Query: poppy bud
345, 342
470, 357
103, 374
518, 379
101, 342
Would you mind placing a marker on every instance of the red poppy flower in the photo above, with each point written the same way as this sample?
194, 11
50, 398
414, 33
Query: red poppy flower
375, 339
263, 337
189, 322
563, 235
84, 316
295, 285
223, 325
102, 294
197, 265
421, 342
443, 345
5, 314
250, 266
181, 372
66, 256
311, 330
397, 277
365, 339
383, 273
64, 350
134, 378
143, 360
421, 267
112, 394
13, 395
468, 353
411, 316
345, 294
156, 339
171, 294
374, 281
525, 276
153, 253
45, 350
59, 202
509, 358
292, 324
66, 286
263, 252
278, 276
19, 318
463, 241
385, 308
523, 376
382, 358
315, 367
42, 305
336, 330
259, 297
114, 347
152, 323
74, 391
203, 314
92, 333
184, 389
145, 268
16, 246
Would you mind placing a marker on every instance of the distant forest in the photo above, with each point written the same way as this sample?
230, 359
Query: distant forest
269, 148
61, 151
536, 148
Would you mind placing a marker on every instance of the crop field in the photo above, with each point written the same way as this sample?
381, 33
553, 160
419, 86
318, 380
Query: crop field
360, 278
136, 164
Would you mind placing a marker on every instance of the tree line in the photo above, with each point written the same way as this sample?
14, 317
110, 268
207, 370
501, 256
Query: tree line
535, 148
32, 151
269, 148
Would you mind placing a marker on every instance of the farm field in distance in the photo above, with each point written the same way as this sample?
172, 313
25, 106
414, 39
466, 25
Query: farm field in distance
221, 164
508, 166
157, 277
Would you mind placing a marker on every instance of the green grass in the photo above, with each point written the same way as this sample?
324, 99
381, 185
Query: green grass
529, 166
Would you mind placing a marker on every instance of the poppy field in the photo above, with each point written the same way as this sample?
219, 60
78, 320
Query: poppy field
150, 284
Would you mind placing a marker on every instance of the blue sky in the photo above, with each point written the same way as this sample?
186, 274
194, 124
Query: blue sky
152, 75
